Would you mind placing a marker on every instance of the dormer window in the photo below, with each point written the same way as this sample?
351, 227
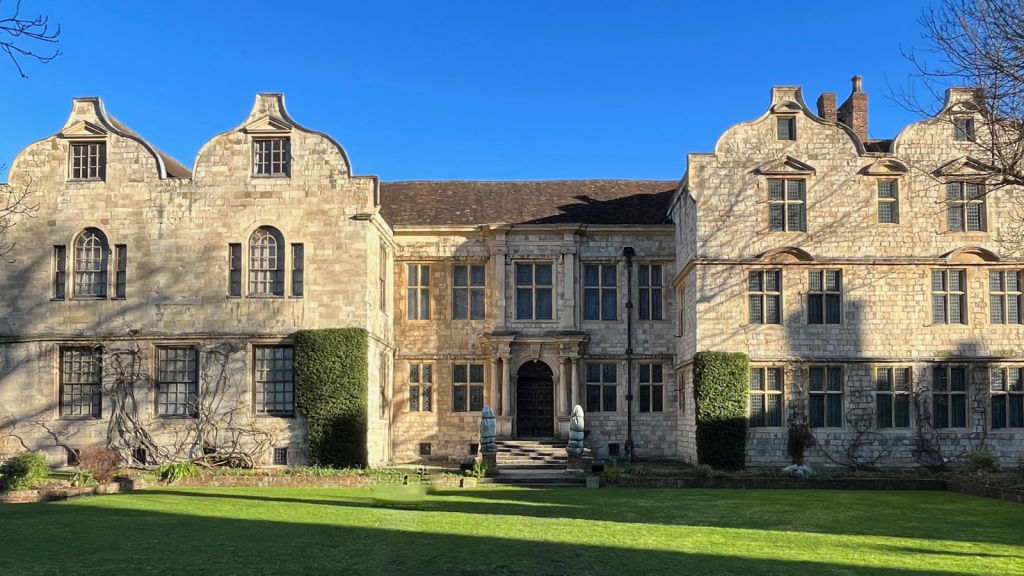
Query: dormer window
271, 157
963, 129
88, 161
786, 127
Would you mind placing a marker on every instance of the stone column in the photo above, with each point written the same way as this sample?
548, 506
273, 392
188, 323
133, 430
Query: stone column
506, 388
496, 385
567, 315
575, 380
563, 374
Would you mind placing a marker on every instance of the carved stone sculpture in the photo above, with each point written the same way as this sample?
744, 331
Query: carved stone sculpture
487, 427
575, 447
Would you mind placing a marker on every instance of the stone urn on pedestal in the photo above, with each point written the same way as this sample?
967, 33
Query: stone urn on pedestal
575, 447
488, 448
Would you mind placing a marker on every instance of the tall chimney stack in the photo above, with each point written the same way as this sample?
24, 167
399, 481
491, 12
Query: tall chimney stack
827, 106
854, 112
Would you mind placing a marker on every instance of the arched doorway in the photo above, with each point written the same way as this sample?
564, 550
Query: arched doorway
535, 401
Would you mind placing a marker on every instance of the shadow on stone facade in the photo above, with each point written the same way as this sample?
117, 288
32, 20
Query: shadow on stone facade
638, 208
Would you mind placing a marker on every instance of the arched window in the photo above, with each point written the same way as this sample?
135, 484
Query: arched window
91, 255
266, 263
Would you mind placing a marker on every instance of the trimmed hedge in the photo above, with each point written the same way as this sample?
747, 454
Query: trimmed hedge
331, 383
721, 381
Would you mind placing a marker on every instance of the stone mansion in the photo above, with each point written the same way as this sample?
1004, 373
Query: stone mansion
871, 282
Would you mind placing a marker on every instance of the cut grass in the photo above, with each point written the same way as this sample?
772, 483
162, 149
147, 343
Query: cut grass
516, 531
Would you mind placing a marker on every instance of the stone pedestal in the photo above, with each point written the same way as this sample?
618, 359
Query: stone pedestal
562, 427
504, 427
574, 463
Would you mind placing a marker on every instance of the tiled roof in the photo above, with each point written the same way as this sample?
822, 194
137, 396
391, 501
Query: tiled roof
468, 202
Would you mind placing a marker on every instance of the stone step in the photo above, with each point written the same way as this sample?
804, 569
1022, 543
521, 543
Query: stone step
533, 478
507, 467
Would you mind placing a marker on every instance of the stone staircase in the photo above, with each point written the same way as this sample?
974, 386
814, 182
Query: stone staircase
531, 455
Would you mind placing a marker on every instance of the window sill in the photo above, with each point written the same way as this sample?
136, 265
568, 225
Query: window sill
88, 298
532, 321
266, 296
176, 417
270, 176
276, 416
84, 418
84, 180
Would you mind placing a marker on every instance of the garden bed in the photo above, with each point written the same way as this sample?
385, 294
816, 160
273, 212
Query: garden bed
49, 494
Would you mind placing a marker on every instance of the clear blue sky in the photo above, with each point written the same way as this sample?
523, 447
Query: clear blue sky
463, 90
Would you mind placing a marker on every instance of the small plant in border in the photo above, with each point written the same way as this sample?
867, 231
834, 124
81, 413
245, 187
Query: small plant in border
172, 472
481, 469
23, 471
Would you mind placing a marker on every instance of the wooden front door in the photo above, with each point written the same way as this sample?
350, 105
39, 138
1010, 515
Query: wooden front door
535, 401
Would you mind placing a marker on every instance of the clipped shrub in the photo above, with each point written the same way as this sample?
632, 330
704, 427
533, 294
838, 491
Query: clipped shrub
981, 461
174, 471
721, 381
99, 460
23, 471
331, 382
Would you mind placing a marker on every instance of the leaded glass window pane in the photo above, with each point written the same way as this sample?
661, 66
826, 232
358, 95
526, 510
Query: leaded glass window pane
177, 382
266, 263
81, 382
275, 383
91, 254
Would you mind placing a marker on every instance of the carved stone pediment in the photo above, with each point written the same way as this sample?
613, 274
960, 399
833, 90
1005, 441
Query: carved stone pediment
84, 129
965, 166
784, 166
268, 125
786, 107
886, 167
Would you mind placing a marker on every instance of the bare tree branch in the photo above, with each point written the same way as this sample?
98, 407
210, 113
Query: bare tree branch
14, 204
978, 44
18, 35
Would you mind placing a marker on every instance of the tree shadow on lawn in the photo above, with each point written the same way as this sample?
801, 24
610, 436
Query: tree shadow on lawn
85, 538
917, 515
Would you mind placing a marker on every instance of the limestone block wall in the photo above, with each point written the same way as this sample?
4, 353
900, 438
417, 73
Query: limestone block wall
861, 441
442, 341
29, 402
177, 226
730, 190
886, 269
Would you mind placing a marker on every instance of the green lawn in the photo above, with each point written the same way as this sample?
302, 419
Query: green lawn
498, 531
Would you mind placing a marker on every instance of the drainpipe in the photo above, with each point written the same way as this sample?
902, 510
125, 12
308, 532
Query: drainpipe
629, 253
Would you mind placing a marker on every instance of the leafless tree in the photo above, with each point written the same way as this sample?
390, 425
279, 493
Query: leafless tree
977, 44
15, 203
19, 36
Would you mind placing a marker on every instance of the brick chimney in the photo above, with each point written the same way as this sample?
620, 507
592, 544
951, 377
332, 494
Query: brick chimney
854, 112
827, 106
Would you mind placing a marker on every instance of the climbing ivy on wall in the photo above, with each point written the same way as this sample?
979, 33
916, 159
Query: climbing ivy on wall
331, 383
721, 381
